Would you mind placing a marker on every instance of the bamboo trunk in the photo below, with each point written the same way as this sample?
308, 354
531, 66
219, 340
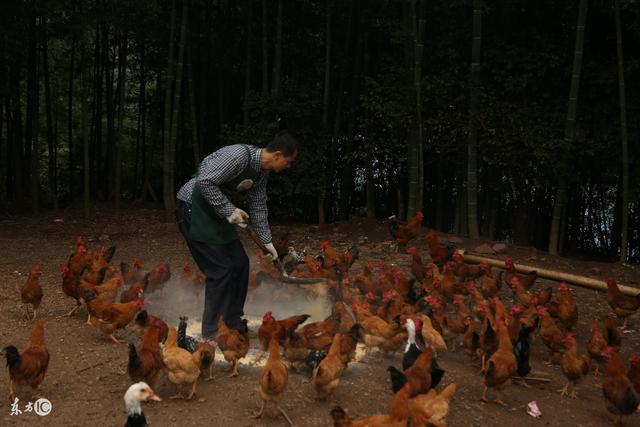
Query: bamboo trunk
582, 281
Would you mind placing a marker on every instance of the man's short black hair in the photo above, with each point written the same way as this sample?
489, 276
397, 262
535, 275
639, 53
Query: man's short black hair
285, 142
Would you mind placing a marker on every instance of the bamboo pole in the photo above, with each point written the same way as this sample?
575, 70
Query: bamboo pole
585, 282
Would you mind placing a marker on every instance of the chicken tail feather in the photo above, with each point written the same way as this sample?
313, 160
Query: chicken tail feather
13, 357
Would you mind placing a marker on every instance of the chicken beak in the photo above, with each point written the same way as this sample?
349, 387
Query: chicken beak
155, 397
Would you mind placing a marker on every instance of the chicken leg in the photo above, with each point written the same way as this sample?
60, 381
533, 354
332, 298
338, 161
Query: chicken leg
260, 411
178, 394
193, 390
11, 393
284, 414
234, 370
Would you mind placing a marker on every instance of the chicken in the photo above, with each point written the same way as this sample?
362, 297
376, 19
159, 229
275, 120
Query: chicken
208, 357
144, 320
133, 292
270, 326
634, 371
234, 344
99, 261
273, 380
405, 234
432, 408
137, 393
31, 292
430, 334
566, 310
397, 417
375, 331
132, 273
465, 271
488, 338
501, 366
30, 366
347, 321
440, 254
612, 333
489, 284
319, 335
551, 335
295, 350
574, 367
70, 286
470, 339
160, 275
523, 296
195, 278
348, 344
620, 397
418, 376
80, 259
623, 305
326, 376
145, 363
182, 367
418, 268
527, 279
116, 316
597, 343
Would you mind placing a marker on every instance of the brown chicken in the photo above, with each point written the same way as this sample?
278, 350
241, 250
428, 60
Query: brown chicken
551, 335
326, 376
623, 305
418, 268
319, 335
99, 261
501, 366
346, 319
70, 286
464, 270
418, 375
270, 326
348, 344
182, 367
597, 343
145, 363
116, 316
31, 292
523, 296
134, 291
432, 408
620, 397
160, 275
188, 275
574, 367
376, 332
398, 415
612, 333
80, 259
470, 339
273, 380
488, 338
405, 234
132, 273
234, 344
145, 320
30, 366
440, 254
489, 284
295, 350
564, 309
527, 279
208, 358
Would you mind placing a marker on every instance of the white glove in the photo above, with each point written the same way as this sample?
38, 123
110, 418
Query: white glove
238, 217
272, 251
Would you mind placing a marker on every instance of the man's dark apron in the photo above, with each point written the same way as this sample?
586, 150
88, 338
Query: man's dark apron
206, 225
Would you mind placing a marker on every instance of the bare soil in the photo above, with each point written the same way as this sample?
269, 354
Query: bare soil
87, 376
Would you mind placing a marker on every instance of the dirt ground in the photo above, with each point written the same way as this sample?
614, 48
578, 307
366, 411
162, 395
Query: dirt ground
87, 376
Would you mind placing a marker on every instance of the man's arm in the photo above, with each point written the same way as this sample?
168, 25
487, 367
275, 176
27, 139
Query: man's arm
257, 205
222, 166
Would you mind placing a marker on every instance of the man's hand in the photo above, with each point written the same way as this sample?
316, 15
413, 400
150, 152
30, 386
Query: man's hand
272, 251
239, 217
